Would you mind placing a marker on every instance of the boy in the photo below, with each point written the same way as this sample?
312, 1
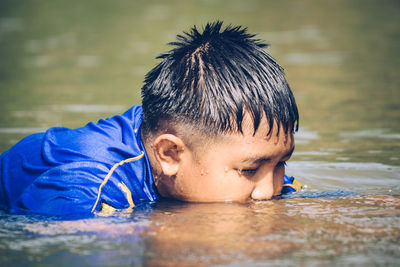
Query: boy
216, 124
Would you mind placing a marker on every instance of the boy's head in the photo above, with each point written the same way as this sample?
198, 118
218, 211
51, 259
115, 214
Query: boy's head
218, 117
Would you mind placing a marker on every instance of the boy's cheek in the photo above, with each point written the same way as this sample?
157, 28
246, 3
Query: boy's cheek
214, 187
278, 181
230, 187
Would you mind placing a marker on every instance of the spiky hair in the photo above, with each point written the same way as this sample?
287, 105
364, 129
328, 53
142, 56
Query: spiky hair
211, 79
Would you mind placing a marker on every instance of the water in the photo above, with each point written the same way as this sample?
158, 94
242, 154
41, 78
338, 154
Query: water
64, 64
332, 230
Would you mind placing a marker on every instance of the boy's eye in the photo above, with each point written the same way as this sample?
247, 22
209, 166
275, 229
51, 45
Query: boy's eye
247, 172
282, 163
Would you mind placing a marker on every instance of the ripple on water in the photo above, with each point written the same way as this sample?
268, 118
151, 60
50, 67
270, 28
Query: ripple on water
322, 58
364, 178
87, 61
42, 236
80, 108
11, 24
305, 33
21, 130
304, 136
371, 133
320, 194
53, 112
49, 116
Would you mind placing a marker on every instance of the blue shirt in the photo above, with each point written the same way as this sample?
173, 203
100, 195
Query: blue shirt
99, 167
78, 171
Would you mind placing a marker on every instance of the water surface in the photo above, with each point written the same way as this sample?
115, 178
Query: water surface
65, 64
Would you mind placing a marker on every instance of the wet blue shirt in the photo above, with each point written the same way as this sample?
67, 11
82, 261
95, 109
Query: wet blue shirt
77, 171
99, 167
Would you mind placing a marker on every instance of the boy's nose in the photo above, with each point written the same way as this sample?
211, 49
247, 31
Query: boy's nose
264, 188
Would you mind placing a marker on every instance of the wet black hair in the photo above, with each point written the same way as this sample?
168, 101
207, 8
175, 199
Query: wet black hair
211, 79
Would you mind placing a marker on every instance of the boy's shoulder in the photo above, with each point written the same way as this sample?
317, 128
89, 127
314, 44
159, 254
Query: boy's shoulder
105, 159
110, 139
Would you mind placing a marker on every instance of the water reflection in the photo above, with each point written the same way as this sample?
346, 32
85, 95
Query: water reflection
10, 25
372, 133
305, 136
287, 231
325, 58
218, 233
305, 33
363, 178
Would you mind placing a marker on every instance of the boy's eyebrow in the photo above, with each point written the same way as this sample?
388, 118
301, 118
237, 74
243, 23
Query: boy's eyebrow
257, 160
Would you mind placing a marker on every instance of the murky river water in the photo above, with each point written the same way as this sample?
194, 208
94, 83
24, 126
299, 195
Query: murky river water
67, 64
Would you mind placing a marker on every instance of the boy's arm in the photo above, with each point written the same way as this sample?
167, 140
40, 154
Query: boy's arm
70, 189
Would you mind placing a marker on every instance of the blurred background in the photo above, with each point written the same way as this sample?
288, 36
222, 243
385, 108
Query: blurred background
66, 63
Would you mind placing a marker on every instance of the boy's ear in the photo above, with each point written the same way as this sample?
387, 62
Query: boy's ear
168, 148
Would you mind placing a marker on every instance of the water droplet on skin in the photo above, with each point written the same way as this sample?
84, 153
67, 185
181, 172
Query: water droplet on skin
202, 172
207, 171
226, 169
